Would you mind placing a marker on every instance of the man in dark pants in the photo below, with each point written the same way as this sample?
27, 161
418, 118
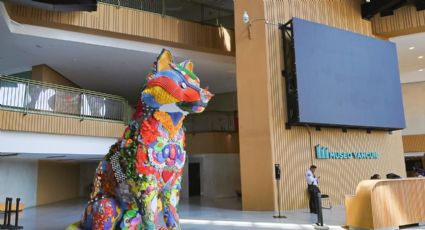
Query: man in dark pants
313, 189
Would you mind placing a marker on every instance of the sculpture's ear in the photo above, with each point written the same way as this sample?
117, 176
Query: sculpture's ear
164, 60
188, 64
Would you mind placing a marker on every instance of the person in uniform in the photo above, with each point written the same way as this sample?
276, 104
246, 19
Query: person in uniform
313, 189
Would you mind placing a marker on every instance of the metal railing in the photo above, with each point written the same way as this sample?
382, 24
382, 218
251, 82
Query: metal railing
29, 96
182, 9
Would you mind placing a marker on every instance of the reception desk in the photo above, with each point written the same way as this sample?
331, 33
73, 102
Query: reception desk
386, 204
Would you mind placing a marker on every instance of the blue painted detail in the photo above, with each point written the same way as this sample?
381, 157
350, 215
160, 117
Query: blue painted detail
176, 117
346, 79
170, 74
150, 100
324, 153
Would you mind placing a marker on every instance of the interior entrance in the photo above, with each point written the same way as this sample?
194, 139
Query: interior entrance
194, 179
414, 163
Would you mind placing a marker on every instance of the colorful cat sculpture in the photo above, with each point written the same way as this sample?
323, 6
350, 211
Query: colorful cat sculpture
140, 177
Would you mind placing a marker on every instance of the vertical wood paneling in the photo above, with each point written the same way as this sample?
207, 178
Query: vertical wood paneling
405, 20
414, 143
386, 204
291, 148
16, 121
253, 109
130, 22
63, 177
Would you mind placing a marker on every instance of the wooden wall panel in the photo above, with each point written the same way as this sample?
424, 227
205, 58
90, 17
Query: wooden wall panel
133, 24
292, 148
44, 73
16, 121
414, 143
57, 181
386, 204
253, 109
406, 20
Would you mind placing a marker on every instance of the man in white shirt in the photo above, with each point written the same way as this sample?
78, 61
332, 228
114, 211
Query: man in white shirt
313, 189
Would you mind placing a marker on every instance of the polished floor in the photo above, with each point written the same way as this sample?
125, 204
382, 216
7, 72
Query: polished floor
196, 214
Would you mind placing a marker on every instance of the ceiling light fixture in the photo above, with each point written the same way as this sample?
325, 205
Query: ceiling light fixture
411, 48
421, 70
420, 57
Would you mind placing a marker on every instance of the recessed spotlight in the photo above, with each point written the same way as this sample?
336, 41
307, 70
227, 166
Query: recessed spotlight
420, 57
421, 70
411, 48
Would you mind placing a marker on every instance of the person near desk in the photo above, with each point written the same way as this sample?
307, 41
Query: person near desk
375, 177
313, 188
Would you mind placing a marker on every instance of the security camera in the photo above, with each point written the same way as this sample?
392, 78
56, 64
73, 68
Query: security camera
245, 17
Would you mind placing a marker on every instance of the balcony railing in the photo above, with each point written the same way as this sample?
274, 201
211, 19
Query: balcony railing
182, 9
29, 96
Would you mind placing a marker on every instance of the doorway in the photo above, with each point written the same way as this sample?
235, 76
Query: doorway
194, 179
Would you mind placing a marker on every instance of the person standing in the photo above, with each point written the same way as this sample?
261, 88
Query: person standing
313, 189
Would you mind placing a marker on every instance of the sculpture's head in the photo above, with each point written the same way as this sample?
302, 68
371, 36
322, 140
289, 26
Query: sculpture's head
174, 87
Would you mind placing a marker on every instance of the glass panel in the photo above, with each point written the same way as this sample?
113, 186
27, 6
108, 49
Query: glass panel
203, 12
67, 102
48, 98
12, 94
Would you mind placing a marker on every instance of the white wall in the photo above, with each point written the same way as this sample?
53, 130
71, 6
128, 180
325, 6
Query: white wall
27, 142
414, 108
220, 175
18, 179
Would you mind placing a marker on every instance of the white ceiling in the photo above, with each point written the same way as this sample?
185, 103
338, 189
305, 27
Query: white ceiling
408, 59
104, 64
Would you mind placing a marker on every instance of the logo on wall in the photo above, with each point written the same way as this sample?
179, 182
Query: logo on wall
324, 153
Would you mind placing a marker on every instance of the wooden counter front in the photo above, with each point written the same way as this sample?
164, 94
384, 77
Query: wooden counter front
386, 203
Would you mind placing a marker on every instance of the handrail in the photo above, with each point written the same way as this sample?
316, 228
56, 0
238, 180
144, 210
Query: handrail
68, 88
159, 7
29, 96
